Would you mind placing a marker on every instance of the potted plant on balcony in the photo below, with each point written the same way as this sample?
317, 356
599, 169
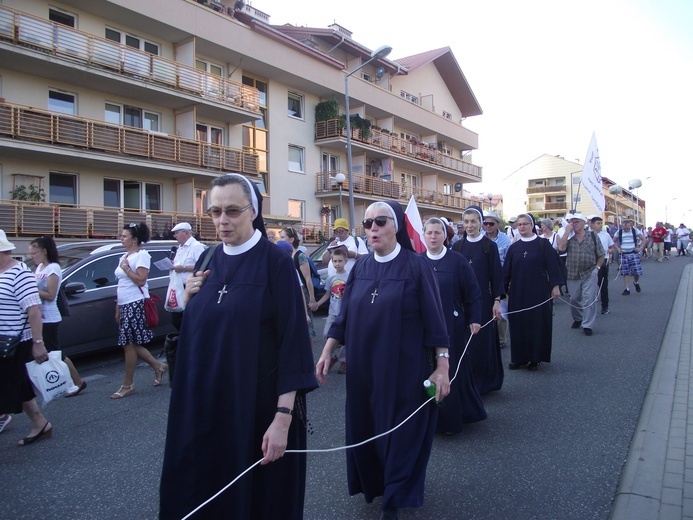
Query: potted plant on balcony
31, 193
326, 110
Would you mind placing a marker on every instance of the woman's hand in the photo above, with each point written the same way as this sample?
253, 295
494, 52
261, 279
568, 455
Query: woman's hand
497, 315
555, 292
39, 352
275, 439
474, 328
322, 367
441, 378
194, 283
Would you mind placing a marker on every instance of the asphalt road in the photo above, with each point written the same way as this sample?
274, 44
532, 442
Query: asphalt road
553, 446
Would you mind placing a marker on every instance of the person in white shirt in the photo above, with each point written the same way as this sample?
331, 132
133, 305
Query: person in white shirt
683, 235
343, 238
511, 230
189, 250
596, 225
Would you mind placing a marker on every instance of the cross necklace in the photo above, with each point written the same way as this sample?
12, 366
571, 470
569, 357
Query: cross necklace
228, 279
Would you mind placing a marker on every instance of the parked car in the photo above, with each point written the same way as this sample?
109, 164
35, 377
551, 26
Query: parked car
90, 284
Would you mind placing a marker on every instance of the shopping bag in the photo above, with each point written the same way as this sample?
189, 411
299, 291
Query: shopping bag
151, 313
51, 378
174, 294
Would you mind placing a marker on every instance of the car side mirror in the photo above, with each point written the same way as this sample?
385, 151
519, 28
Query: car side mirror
74, 288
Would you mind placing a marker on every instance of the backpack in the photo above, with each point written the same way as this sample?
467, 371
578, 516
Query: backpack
314, 276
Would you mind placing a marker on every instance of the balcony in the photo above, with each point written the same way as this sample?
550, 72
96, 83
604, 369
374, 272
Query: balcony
41, 126
546, 189
425, 157
374, 188
138, 74
548, 206
22, 218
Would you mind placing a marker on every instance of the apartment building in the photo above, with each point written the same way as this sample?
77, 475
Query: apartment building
114, 111
546, 186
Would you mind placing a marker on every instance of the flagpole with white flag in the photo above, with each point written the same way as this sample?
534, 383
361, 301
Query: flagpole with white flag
412, 219
592, 176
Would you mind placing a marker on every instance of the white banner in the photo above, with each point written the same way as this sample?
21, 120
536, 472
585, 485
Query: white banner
592, 176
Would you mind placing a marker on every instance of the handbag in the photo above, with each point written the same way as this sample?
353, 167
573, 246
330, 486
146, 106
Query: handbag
151, 313
51, 378
174, 294
9, 344
63, 305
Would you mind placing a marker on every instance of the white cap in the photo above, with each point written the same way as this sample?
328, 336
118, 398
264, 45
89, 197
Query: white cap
578, 216
5, 245
180, 226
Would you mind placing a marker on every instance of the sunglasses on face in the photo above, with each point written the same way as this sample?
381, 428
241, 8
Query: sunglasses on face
489, 223
379, 221
230, 212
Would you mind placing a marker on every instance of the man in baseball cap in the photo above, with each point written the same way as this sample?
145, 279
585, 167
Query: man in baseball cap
355, 247
187, 253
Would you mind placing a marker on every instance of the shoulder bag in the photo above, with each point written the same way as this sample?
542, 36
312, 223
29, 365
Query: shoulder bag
151, 313
9, 344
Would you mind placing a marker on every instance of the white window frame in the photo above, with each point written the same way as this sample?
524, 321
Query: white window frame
447, 115
121, 115
65, 13
295, 96
300, 166
409, 97
208, 65
301, 203
142, 41
142, 195
64, 93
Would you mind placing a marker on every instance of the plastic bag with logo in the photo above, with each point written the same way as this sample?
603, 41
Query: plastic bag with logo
51, 378
174, 295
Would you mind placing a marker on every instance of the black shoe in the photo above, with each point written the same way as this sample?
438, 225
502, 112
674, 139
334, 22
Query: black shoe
515, 366
533, 367
605, 310
637, 287
587, 331
626, 292
576, 325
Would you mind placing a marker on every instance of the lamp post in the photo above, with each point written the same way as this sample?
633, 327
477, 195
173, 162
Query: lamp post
634, 184
490, 201
616, 190
573, 200
377, 54
339, 179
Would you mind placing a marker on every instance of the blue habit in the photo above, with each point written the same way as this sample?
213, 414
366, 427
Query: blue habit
487, 364
530, 272
461, 299
392, 319
234, 358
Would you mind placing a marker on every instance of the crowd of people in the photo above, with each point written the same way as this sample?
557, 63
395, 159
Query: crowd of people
245, 338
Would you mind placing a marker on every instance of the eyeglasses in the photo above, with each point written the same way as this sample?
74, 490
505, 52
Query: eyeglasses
379, 221
230, 212
489, 223
524, 223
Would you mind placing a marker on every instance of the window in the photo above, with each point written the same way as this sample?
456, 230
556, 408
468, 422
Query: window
212, 68
330, 163
61, 17
132, 41
136, 195
62, 188
61, 102
295, 105
367, 76
255, 132
132, 116
296, 158
409, 97
447, 189
296, 209
447, 115
209, 134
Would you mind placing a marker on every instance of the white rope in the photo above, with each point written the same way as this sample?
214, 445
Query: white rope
371, 439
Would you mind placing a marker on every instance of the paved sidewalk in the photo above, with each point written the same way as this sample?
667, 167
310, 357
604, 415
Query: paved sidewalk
657, 481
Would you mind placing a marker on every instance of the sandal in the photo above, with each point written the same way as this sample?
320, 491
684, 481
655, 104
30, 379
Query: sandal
79, 389
123, 391
43, 434
159, 374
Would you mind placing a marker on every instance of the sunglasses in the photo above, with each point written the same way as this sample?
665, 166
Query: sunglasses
230, 212
489, 223
379, 221
132, 225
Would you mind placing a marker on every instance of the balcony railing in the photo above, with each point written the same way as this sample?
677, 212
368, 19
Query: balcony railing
59, 40
546, 189
366, 185
548, 206
23, 218
394, 145
31, 124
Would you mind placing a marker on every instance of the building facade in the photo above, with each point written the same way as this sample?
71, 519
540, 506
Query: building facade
114, 111
550, 187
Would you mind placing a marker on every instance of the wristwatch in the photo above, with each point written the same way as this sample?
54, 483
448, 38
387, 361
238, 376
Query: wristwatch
443, 354
38, 341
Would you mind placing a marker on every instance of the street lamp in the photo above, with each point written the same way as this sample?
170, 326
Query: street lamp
339, 179
490, 201
634, 184
377, 54
616, 190
573, 200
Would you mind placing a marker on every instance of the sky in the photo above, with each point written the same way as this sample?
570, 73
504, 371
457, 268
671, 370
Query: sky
549, 73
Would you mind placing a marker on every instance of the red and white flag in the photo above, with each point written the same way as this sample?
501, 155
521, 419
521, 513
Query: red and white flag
412, 219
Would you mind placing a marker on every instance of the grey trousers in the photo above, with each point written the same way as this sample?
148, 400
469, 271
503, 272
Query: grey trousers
584, 293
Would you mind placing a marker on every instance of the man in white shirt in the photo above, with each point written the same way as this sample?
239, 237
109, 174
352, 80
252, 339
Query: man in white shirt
355, 247
189, 250
511, 230
597, 224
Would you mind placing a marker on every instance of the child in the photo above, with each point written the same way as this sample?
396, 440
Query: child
334, 290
